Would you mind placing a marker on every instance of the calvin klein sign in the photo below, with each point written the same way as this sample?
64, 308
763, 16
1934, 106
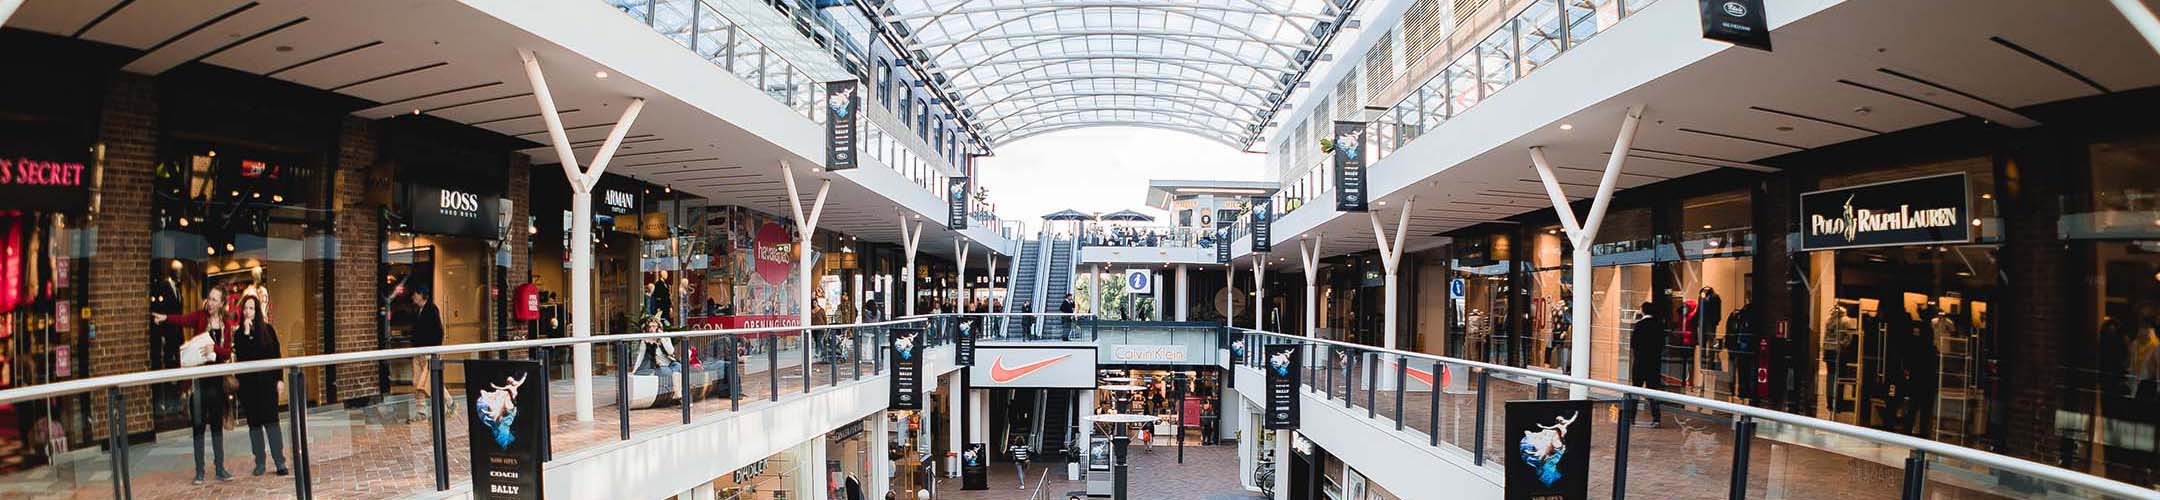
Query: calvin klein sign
1350, 159
1918, 211
457, 212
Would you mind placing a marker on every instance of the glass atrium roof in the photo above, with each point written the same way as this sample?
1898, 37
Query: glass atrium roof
1213, 68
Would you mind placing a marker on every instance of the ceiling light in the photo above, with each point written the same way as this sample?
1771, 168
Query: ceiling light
1706, 226
1987, 196
1383, 203
599, 74
1784, 129
1566, 126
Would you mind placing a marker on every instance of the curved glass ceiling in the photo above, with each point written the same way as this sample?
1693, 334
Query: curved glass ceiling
1213, 68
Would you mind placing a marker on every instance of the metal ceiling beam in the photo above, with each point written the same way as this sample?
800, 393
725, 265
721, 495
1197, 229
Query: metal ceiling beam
1042, 81
1144, 6
1303, 35
1275, 46
1225, 79
1258, 4
1023, 93
1204, 133
1048, 114
1040, 101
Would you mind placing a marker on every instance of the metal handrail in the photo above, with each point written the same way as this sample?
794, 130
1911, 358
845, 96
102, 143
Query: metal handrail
2014, 464
57, 389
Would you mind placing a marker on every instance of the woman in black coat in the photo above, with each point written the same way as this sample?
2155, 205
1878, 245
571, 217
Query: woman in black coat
256, 340
1646, 349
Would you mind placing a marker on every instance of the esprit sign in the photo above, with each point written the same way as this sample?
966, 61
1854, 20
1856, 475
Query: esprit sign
1917, 211
36, 184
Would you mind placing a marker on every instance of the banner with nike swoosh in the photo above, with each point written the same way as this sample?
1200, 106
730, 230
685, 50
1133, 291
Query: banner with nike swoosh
1033, 367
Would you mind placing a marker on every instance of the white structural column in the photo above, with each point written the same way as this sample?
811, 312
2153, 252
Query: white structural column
7, 9
880, 468
860, 308
1390, 258
1582, 235
805, 228
990, 294
1309, 256
1184, 293
1095, 287
1155, 290
582, 181
960, 261
1259, 301
2140, 17
1229, 280
910, 241
956, 434
885, 295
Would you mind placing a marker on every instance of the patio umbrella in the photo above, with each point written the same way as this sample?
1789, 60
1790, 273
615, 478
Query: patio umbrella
1068, 214
1127, 216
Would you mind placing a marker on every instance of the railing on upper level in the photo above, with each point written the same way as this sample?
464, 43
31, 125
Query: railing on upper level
382, 446
1147, 237
1539, 32
1454, 404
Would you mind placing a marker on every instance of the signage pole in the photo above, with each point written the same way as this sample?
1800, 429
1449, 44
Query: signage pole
1179, 380
1118, 475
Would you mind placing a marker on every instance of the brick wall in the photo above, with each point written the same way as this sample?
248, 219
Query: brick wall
120, 269
2030, 183
519, 192
359, 234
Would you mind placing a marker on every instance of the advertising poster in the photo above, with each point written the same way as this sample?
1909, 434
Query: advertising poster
841, 103
1280, 363
906, 352
1550, 459
975, 467
1350, 166
505, 424
1263, 224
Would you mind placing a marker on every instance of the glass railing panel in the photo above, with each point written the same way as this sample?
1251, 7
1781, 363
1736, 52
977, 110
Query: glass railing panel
1587, 18
567, 434
708, 374
635, 8
1500, 389
1539, 33
1951, 478
166, 466
672, 18
1685, 454
712, 34
81, 469
1788, 461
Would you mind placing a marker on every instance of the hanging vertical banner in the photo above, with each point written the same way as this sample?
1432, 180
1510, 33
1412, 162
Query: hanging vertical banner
906, 353
505, 427
956, 203
1350, 166
964, 343
841, 106
1263, 224
975, 467
1551, 456
1280, 364
1740, 22
1222, 239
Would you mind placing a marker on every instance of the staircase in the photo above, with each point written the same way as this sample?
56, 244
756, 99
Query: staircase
1057, 284
1021, 288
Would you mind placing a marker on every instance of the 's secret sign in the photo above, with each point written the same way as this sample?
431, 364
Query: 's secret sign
44, 184
1917, 211
1350, 156
1263, 224
1740, 22
1550, 456
1281, 365
457, 212
956, 203
841, 106
906, 351
504, 423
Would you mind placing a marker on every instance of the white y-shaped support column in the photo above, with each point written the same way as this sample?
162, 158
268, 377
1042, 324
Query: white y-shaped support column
1259, 285
1582, 235
1309, 255
7, 9
1390, 258
2141, 18
990, 296
582, 181
960, 252
911, 240
805, 229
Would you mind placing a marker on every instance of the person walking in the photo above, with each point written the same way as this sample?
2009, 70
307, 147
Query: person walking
207, 399
427, 331
1646, 348
257, 340
1019, 451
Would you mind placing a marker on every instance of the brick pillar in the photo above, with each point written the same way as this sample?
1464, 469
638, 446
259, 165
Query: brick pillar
359, 253
120, 270
519, 192
1779, 294
2030, 181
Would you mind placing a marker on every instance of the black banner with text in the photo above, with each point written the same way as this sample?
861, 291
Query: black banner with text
505, 427
1282, 365
956, 203
1740, 22
842, 106
964, 343
1263, 224
1350, 156
906, 352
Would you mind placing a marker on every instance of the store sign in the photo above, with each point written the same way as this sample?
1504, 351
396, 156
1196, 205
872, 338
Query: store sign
455, 212
775, 253
975, 467
1917, 211
1034, 368
1740, 22
615, 195
1455, 288
1280, 363
44, 185
906, 353
1263, 224
1550, 459
1350, 156
1129, 353
505, 421
1139, 281
956, 203
841, 106
748, 473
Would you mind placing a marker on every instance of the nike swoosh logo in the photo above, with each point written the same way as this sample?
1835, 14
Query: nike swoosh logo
1000, 374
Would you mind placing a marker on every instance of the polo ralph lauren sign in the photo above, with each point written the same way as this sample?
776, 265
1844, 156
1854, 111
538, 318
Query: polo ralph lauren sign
1917, 211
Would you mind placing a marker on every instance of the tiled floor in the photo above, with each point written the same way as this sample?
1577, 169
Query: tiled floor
383, 451
1209, 473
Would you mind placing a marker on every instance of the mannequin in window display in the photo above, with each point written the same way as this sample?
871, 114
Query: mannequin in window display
1708, 308
165, 342
1915, 366
1558, 349
1741, 342
1646, 344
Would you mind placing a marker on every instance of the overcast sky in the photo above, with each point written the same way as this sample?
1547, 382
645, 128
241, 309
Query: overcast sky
1103, 169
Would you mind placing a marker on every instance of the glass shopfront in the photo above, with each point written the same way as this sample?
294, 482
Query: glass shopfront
45, 180
774, 478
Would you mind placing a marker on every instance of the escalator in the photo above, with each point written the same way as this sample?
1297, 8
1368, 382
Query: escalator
1021, 288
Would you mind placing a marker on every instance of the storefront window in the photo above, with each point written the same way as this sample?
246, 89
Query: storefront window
773, 478
44, 254
1715, 246
1621, 276
1480, 329
1550, 286
2113, 374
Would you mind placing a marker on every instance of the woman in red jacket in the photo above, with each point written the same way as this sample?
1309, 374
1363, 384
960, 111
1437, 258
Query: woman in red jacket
207, 402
